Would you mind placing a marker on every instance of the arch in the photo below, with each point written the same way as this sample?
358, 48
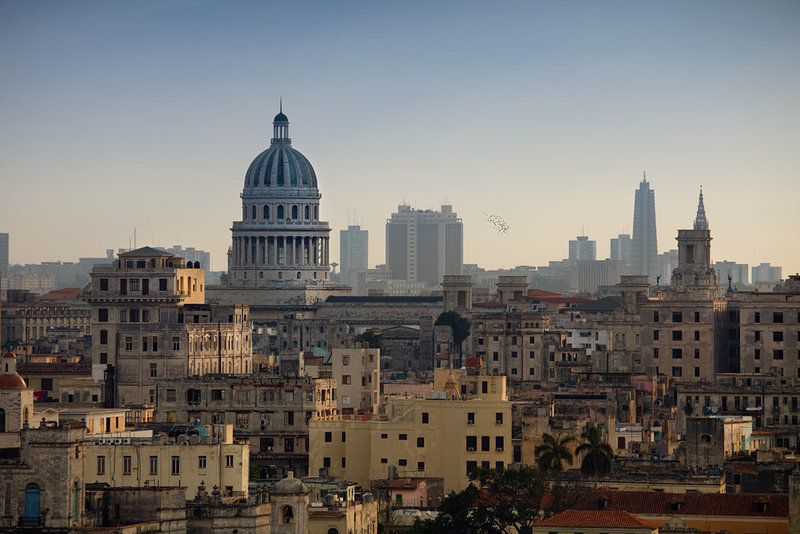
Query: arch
2, 420
75, 498
25, 417
252, 212
266, 212
298, 275
280, 212
294, 212
333, 530
287, 515
33, 504
316, 213
307, 212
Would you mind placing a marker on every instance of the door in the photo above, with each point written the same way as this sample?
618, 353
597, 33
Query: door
33, 504
145, 286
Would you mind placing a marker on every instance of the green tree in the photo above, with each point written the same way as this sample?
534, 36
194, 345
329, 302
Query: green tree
552, 454
459, 324
454, 517
373, 337
599, 454
11, 344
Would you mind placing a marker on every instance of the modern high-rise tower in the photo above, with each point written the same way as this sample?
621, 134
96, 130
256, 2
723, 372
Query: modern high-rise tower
353, 251
424, 245
582, 249
644, 255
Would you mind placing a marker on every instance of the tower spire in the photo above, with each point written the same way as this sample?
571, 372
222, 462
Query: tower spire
700, 221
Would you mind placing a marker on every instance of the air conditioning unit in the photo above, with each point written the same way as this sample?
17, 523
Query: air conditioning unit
499, 449
471, 449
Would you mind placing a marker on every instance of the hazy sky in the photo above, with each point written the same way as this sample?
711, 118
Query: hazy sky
117, 115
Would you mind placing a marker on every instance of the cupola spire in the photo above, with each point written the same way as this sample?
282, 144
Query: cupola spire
280, 127
700, 221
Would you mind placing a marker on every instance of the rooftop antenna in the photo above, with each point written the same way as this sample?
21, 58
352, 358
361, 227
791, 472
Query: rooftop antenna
134, 237
644, 175
281, 104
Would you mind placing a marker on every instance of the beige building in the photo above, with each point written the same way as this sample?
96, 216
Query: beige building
149, 321
215, 458
442, 437
357, 371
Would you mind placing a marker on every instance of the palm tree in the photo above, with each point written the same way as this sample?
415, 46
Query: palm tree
598, 453
553, 452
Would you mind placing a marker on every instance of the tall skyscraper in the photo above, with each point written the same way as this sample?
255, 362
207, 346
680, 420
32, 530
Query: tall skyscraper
353, 251
581, 249
424, 245
766, 273
622, 248
644, 256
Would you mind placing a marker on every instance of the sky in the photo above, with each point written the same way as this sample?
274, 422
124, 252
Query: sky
146, 115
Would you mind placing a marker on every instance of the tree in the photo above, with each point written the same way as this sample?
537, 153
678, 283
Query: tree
372, 337
597, 461
553, 452
459, 324
454, 514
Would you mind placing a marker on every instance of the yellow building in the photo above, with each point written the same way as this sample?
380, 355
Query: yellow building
444, 436
185, 461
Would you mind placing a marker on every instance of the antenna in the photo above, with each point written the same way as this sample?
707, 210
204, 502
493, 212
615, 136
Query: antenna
281, 104
134, 237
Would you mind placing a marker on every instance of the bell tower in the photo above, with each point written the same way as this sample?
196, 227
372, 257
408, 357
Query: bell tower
695, 273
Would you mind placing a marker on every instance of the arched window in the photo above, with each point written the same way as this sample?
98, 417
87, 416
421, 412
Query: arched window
33, 504
244, 212
25, 417
75, 498
252, 212
307, 213
294, 212
287, 515
2, 420
266, 212
298, 275
280, 212
316, 212
280, 275
333, 530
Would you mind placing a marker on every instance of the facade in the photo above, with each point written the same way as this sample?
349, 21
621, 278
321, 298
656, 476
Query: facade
193, 255
3, 260
353, 252
357, 371
280, 239
424, 245
36, 318
149, 321
441, 437
582, 249
645, 245
737, 273
622, 248
765, 272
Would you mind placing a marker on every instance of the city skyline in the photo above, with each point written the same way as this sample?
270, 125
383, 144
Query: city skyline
532, 122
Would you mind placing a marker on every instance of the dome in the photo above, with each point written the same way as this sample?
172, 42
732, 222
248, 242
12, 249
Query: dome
280, 117
289, 486
280, 167
9, 379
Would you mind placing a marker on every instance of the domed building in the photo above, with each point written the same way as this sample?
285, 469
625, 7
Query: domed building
280, 244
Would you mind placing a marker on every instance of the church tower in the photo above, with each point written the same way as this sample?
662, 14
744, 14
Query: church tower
695, 274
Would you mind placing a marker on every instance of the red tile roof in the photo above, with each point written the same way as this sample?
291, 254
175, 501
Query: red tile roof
719, 504
67, 293
596, 519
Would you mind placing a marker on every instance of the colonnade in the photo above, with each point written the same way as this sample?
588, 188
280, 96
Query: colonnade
281, 250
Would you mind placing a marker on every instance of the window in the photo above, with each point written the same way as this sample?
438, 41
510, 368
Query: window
485, 443
104, 337
201, 462
144, 344
655, 354
346, 379
495, 356
129, 343
696, 371
228, 460
471, 418
162, 284
326, 461
471, 467
328, 437
513, 354
677, 372
217, 394
288, 418
126, 465
757, 354
655, 316
777, 317
134, 316
420, 466
384, 436
677, 335
677, 317
171, 395
498, 443
345, 360
103, 357
104, 284
777, 336
696, 354
154, 465
101, 465
344, 462
757, 335
757, 317
697, 317
472, 443
384, 460
425, 418
402, 437
402, 462
498, 418
176, 465
655, 335
176, 343
420, 442
777, 354
677, 354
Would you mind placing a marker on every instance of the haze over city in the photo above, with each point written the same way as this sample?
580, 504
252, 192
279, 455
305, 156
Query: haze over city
146, 116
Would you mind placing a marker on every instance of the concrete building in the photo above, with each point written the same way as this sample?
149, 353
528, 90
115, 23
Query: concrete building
765, 272
353, 252
645, 245
712, 439
28, 317
149, 321
738, 272
424, 245
442, 437
3, 260
622, 248
357, 371
588, 276
193, 255
582, 249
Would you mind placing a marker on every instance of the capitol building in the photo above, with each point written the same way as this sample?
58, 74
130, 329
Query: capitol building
280, 253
